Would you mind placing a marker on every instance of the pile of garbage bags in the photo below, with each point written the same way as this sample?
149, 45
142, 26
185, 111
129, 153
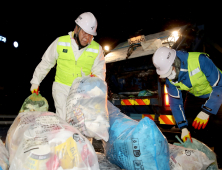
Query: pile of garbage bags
141, 145
39, 139
87, 107
42, 140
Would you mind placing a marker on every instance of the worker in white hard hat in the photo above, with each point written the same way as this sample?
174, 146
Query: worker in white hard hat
195, 73
76, 54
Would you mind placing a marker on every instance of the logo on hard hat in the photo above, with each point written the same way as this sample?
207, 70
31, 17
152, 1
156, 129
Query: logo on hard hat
92, 27
169, 55
80, 17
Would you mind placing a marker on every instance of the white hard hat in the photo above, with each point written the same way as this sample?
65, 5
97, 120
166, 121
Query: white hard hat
163, 59
87, 22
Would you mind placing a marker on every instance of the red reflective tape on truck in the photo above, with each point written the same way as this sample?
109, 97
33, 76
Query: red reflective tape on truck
164, 119
125, 102
167, 119
130, 102
140, 102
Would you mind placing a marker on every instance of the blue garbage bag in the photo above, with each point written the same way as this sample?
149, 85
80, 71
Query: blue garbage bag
197, 145
135, 145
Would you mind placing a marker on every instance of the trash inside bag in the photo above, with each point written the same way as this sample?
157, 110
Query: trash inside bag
135, 145
104, 164
43, 141
87, 107
197, 145
146, 93
187, 159
34, 103
4, 157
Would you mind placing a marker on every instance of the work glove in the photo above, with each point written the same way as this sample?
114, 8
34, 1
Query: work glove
92, 75
34, 88
201, 120
185, 134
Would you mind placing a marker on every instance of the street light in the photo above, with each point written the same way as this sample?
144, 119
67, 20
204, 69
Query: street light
3, 39
15, 44
174, 36
106, 48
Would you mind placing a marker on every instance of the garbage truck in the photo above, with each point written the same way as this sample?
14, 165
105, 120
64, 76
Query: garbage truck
133, 84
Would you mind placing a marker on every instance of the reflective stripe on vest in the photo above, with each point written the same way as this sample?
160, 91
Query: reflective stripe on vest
200, 85
68, 69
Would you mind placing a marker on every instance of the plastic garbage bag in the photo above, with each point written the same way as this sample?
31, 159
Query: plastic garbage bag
87, 107
104, 164
43, 141
34, 103
197, 145
187, 159
135, 145
4, 156
146, 93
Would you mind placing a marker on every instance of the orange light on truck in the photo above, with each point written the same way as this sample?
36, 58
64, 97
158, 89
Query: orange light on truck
166, 97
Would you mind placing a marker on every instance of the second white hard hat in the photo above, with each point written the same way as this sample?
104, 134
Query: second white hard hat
87, 22
163, 59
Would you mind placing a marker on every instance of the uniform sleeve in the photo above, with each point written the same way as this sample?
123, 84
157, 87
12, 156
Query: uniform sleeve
99, 66
213, 76
48, 61
176, 104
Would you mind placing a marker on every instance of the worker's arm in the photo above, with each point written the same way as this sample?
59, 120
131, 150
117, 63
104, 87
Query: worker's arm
48, 61
99, 66
176, 104
214, 77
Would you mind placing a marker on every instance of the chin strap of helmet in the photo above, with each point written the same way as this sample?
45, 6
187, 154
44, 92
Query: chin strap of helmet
76, 37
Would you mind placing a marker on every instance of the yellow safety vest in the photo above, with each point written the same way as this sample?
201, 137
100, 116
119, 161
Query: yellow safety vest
68, 68
199, 82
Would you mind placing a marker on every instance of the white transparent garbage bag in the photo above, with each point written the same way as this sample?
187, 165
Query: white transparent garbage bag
187, 159
43, 141
4, 156
86, 107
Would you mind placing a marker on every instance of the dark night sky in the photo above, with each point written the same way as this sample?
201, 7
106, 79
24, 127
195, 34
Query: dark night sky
36, 25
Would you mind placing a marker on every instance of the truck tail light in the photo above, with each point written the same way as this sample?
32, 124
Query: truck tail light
166, 97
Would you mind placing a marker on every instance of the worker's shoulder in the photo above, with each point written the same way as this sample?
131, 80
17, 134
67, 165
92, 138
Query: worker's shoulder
64, 36
181, 53
204, 57
94, 43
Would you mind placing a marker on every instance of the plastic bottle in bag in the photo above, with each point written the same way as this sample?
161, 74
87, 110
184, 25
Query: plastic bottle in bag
38, 158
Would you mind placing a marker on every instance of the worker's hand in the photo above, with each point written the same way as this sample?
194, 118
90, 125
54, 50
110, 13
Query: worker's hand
186, 134
34, 88
201, 120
